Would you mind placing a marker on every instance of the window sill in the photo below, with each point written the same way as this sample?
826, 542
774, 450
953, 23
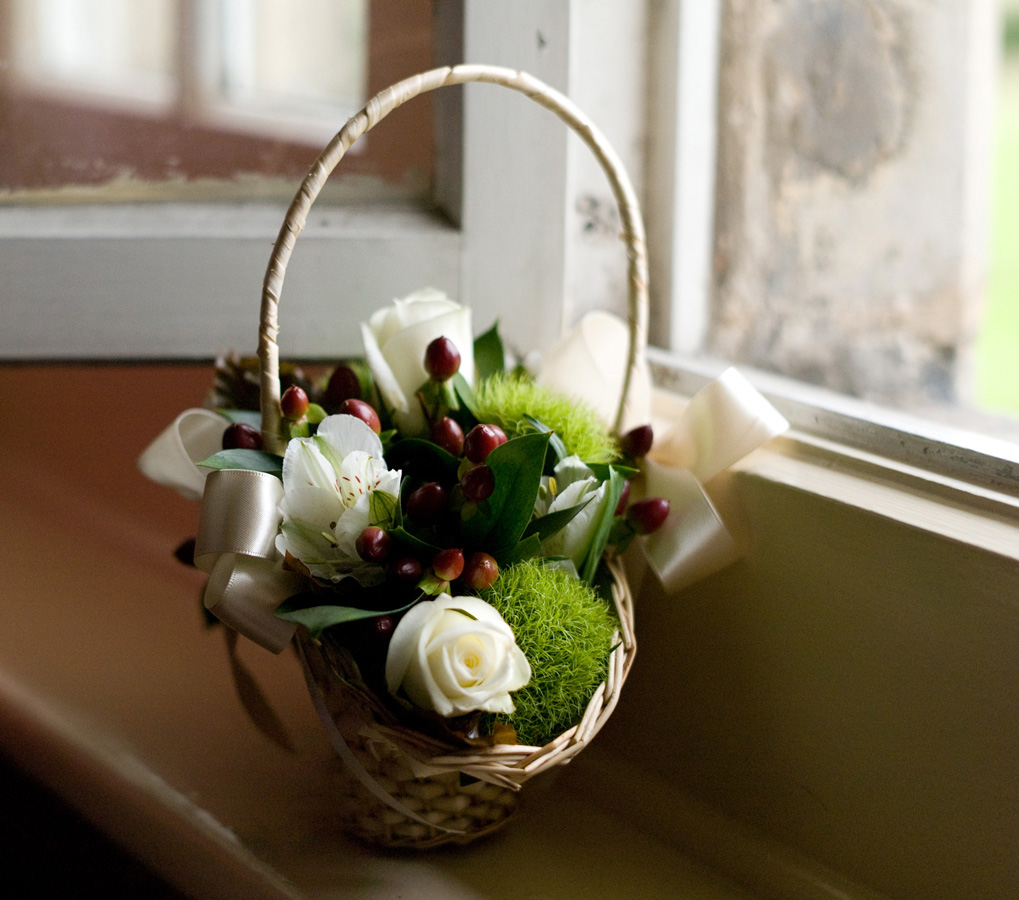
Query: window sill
114, 694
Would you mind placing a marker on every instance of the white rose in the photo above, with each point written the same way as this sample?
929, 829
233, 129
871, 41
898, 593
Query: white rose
395, 340
455, 655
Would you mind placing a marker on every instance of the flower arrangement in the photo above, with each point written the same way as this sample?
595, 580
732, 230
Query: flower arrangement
430, 497
436, 531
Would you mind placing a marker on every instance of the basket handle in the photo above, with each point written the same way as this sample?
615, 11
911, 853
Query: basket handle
377, 109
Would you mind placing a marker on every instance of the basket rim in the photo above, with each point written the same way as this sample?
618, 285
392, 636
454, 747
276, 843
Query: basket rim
509, 765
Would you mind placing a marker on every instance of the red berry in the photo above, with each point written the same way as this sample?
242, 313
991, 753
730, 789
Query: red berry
637, 442
448, 564
406, 568
478, 483
383, 626
241, 436
294, 403
481, 571
427, 501
343, 385
482, 440
363, 411
624, 498
442, 359
648, 515
373, 545
448, 434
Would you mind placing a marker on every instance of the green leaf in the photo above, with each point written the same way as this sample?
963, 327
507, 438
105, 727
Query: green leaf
527, 548
251, 460
555, 442
318, 618
315, 413
489, 356
423, 458
465, 393
621, 534
247, 416
383, 509
615, 490
413, 543
517, 466
432, 585
545, 526
601, 470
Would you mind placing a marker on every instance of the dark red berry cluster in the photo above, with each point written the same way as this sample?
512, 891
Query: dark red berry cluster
431, 506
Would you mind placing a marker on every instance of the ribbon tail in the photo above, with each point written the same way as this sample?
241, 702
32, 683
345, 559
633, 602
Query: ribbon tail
170, 459
255, 703
693, 542
243, 592
236, 546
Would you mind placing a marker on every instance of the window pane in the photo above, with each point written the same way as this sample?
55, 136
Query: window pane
854, 186
125, 99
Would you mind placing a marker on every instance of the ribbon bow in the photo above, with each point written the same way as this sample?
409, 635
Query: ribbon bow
236, 542
724, 421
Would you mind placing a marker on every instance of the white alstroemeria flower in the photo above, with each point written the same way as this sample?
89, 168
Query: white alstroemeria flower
455, 655
574, 483
328, 482
395, 340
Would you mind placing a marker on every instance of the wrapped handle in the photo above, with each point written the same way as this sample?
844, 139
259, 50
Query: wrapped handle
377, 109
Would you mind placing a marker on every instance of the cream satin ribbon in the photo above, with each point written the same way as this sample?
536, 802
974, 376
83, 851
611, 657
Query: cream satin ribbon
236, 531
236, 545
589, 363
724, 421
170, 459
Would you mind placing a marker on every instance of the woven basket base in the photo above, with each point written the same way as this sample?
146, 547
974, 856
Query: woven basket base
457, 813
450, 807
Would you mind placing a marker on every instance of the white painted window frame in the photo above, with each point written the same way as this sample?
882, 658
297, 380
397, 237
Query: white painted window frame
532, 244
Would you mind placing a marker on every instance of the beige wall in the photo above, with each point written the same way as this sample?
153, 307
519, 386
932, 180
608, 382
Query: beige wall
849, 690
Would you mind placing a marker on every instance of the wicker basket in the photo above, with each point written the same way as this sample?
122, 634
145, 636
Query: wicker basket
407, 789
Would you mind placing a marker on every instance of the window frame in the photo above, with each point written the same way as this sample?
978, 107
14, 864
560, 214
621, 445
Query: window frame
199, 268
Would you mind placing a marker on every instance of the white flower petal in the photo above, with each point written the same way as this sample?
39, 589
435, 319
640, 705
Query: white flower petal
350, 525
571, 470
345, 434
402, 643
312, 504
574, 540
304, 465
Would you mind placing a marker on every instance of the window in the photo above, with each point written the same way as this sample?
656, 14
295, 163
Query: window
125, 101
182, 131
852, 201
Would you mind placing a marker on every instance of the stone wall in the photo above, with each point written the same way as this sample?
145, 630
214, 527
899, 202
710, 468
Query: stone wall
853, 192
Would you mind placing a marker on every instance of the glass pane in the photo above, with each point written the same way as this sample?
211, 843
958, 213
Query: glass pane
145, 99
